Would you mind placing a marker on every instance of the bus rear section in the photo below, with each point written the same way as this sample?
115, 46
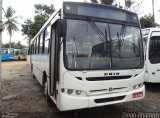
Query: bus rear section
7, 54
94, 58
151, 37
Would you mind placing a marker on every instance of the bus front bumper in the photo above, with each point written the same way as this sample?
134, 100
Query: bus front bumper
66, 102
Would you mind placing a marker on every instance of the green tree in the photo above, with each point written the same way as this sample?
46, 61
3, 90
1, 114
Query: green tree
11, 22
42, 13
44, 10
14, 45
31, 28
134, 6
146, 21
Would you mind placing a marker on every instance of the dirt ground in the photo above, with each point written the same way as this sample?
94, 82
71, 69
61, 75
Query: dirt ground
22, 97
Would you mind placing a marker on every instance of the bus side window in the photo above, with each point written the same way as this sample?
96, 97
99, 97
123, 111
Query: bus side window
11, 51
46, 47
38, 44
43, 41
47, 34
33, 48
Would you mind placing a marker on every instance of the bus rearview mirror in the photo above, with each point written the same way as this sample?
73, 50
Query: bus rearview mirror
61, 27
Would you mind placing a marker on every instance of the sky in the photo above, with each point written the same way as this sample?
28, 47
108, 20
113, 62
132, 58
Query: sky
25, 9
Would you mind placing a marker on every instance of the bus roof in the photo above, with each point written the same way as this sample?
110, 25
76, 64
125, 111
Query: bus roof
152, 29
101, 5
82, 3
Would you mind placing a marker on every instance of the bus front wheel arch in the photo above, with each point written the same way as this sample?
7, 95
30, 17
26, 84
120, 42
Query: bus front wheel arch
44, 79
45, 86
33, 76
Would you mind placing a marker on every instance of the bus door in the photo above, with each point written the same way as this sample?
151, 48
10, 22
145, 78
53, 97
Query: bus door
154, 57
5, 54
11, 53
54, 71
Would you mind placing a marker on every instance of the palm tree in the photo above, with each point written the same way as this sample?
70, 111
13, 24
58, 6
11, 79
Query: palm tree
11, 23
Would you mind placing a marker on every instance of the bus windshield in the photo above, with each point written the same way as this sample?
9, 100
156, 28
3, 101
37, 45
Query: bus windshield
100, 45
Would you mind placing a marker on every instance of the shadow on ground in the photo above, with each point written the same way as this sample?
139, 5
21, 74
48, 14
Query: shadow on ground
153, 87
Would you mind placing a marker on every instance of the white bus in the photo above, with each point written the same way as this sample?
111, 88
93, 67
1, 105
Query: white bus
151, 38
88, 55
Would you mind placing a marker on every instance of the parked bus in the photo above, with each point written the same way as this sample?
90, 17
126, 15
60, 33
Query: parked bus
88, 55
23, 54
17, 54
7, 54
151, 38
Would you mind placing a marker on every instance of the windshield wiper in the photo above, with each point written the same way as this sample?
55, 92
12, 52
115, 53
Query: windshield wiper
120, 38
123, 33
101, 36
119, 44
96, 29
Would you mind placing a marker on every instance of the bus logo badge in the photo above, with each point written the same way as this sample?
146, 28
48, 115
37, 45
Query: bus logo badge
110, 89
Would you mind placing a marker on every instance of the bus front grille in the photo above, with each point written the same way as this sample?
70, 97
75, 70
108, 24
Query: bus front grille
108, 78
103, 100
108, 91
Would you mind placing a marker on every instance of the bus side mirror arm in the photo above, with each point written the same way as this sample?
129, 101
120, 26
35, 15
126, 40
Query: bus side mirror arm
61, 27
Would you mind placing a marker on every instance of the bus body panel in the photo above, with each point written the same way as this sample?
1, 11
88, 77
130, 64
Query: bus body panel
97, 89
152, 71
40, 64
66, 102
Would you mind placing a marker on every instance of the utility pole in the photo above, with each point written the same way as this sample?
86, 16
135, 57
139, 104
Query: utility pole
1, 29
153, 20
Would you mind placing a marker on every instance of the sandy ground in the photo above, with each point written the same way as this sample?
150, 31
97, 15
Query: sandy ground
22, 97
20, 92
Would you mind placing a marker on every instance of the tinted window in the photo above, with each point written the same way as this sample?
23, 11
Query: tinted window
95, 11
47, 33
99, 45
5, 51
41, 43
38, 44
154, 50
145, 32
125, 46
46, 47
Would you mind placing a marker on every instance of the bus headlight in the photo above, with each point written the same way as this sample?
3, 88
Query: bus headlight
134, 87
78, 92
73, 92
141, 84
138, 86
69, 91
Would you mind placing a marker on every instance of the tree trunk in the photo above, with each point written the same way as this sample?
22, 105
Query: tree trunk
10, 41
